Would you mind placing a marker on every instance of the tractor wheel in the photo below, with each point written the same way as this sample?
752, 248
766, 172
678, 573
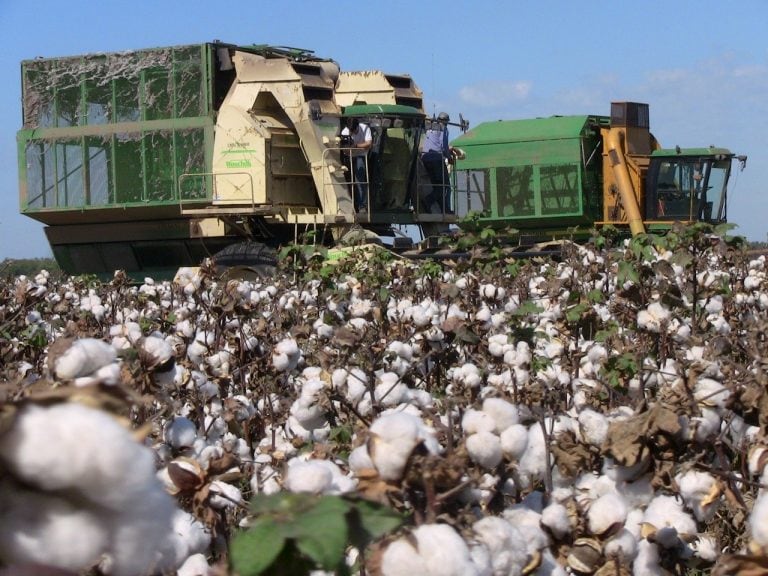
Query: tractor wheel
246, 261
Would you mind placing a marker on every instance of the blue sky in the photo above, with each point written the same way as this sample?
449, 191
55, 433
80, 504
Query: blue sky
701, 66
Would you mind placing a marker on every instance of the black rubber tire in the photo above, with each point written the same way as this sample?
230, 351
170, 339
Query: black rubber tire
246, 260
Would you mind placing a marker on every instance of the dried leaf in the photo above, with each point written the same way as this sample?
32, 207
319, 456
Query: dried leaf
741, 565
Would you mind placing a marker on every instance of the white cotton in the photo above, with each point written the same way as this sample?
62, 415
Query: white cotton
188, 536
307, 477
47, 529
393, 437
653, 317
504, 413
528, 523
667, 515
706, 548
514, 441
622, 545
71, 447
647, 561
758, 520
700, 492
180, 432
109, 375
710, 392
498, 344
475, 421
605, 512
195, 565
286, 355
506, 545
532, 464
158, 349
484, 448
83, 357
593, 427
555, 517
359, 459
440, 548
224, 495
390, 391
400, 559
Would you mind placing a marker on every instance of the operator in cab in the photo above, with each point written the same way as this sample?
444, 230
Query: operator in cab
437, 154
360, 141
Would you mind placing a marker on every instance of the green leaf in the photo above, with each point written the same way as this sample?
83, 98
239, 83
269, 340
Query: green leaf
627, 273
321, 532
254, 550
376, 520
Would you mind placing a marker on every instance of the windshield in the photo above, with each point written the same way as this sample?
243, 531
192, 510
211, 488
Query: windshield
688, 188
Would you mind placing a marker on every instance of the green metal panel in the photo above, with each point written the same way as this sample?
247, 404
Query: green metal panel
115, 130
397, 110
519, 142
543, 172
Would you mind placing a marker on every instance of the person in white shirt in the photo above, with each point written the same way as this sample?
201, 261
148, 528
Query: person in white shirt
362, 140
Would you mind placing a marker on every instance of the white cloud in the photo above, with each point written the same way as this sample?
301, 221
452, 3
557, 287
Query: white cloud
491, 94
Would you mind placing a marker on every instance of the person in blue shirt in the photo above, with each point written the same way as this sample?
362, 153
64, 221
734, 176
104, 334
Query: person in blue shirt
436, 154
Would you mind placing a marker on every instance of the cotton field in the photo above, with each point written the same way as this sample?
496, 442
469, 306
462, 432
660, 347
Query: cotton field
602, 413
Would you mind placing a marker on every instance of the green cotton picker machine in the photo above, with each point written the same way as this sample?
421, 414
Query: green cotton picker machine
149, 160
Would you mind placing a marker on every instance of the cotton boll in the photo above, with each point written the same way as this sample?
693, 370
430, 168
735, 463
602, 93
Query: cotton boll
710, 392
528, 523
441, 551
188, 536
286, 355
514, 441
556, 518
758, 520
393, 438
71, 447
484, 448
224, 495
606, 512
533, 462
390, 391
706, 548
622, 546
504, 413
666, 514
475, 421
401, 558
701, 493
307, 477
140, 541
180, 432
84, 357
46, 529
707, 425
593, 427
647, 562
653, 317
158, 350
498, 345
195, 565
505, 544
359, 459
